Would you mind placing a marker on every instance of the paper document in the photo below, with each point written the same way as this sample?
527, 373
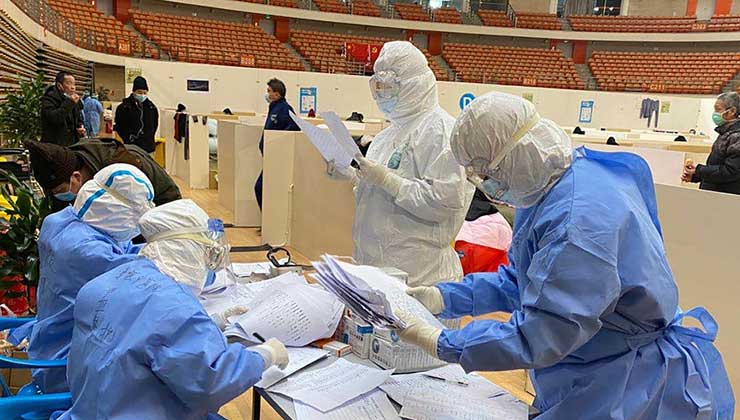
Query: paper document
341, 133
329, 147
296, 314
246, 270
371, 294
373, 406
300, 357
327, 388
452, 373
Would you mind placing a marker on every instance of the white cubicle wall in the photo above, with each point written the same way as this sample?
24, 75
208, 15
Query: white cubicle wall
191, 167
239, 165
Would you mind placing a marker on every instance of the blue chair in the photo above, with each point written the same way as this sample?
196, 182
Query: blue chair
29, 403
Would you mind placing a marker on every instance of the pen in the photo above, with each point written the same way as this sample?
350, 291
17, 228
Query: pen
258, 337
452, 381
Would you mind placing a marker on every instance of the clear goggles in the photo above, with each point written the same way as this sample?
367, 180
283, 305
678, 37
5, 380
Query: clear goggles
214, 240
385, 85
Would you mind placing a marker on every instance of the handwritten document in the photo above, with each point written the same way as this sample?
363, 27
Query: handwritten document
328, 145
300, 357
328, 388
374, 406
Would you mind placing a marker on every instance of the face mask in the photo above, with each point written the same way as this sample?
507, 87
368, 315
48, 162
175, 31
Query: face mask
387, 106
267, 98
717, 118
140, 98
67, 196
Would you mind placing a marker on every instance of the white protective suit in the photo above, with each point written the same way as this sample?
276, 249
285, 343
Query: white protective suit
413, 230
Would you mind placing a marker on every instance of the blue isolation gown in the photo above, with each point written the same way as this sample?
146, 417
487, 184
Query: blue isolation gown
594, 306
71, 253
144, 348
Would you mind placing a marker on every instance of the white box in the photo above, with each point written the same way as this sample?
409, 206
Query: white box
358, 335
401, 356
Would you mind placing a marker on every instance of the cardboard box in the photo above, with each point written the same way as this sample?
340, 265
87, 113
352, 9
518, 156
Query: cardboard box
405, 358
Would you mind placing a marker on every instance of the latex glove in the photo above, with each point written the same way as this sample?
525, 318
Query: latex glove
273, 352
221, 319
376, 174
350, 174
430, 297
419, 333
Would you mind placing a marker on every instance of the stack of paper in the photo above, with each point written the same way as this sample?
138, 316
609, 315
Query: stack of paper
370, 294
374, 405
328, 388
296, 314
334, 145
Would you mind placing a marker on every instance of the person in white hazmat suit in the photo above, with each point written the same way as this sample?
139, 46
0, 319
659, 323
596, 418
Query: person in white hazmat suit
412, 195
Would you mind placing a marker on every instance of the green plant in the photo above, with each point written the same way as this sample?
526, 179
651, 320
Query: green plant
19, 236
19, 112
103, 94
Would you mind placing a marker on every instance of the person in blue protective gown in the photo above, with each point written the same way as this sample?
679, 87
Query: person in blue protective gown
593, 301
76, 245
143, 346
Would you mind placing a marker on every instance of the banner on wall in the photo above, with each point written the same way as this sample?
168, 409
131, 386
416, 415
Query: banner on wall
132, 73
665, 107
198, 85
307, 99
587, 112
465, 100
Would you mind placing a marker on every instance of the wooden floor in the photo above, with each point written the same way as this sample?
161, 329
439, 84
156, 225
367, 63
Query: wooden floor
241, 407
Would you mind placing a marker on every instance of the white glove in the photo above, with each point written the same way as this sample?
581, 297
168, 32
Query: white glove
430, 297
273, 352
419, 333
375, 174
349, 174
221, 319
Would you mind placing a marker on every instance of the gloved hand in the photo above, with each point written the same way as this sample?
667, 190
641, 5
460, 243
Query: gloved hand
221, 319
430, 297
273, 352
419, 333
376, 174
350, 174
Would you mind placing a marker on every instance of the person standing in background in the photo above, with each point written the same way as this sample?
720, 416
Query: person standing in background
61, 112
721, 173
92, 109
137, 118
278, 118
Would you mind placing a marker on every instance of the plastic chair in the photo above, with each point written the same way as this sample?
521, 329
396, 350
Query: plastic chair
29, 403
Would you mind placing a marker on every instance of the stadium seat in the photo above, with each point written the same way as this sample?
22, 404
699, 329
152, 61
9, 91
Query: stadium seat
494, 18
408, 11
666, 24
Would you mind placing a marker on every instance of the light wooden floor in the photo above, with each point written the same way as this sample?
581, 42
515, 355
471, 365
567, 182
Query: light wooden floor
241, 407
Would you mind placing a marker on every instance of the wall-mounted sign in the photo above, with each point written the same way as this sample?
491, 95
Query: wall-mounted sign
132, 73
465, 100
587, 112
528, 96
198, 85
308, 99
665, 107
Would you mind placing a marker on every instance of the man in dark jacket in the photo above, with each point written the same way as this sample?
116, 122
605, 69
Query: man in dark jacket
62, 171
278, 118
721, 173
137, 117
61, 112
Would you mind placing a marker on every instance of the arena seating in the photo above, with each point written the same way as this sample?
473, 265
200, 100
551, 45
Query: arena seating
538, 21
724, 23
215, 42
698, 73
439, 72
104, 33
512, 66
364, 8
333, 6
494, 18
408, 11
447, 15
281, 3
667, 24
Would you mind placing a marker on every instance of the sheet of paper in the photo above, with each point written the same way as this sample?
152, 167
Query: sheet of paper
296, 315
341, 133
327, 388
325, 142
472, 385
397, 386
300, 357
247, 269
374, 406
452, 372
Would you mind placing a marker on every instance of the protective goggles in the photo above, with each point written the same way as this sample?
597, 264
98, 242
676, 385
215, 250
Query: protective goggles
214, 240
385, 85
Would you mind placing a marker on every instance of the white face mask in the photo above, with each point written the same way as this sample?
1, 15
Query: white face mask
267, 98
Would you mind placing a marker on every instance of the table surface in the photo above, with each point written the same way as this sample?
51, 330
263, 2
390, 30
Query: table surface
284, 405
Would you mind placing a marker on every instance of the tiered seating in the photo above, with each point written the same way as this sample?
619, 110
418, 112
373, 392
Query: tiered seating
666, 24
215, 42
281, 3
447, 15
700, 73
512, 66
410, 11
724, 23
333, 6
494, 18
439, 72
99, 32
364, 8
538, 21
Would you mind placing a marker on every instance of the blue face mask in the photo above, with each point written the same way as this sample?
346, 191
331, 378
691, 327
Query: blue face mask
67, 197
495, 191
140, 98
387, 106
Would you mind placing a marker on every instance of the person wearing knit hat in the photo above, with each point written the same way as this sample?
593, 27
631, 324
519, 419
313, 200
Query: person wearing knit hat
137, 117
58, 170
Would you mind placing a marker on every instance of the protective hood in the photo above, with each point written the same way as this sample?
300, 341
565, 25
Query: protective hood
165, 229
417, 92
535, 151
114, 200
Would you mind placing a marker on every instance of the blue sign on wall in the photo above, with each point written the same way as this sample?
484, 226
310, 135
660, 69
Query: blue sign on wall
308, 100
465, 100
587, 112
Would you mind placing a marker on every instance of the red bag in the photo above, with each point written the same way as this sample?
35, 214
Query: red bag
478, 258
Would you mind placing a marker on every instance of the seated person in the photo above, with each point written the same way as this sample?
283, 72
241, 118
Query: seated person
144, 347
484, 238
76, 245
